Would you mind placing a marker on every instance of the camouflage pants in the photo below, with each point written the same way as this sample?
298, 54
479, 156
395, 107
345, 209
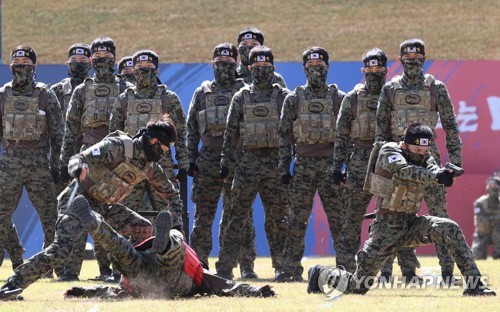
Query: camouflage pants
67, 235
390, 232
310, 174
206, 190
30, 169
356, 201
256, 172
487, 232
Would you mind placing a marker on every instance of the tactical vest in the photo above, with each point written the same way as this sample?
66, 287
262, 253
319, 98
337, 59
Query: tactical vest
365, 114
22, 117
141, 111
212, 119
112, 185
412, 106
99, 99
67, 91
397, 195
316, 120
260, 126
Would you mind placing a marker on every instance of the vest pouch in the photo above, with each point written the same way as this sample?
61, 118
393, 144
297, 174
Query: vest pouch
328, 128
202, 122
397, 197
413, 198
381, 186
272, 132
315, 122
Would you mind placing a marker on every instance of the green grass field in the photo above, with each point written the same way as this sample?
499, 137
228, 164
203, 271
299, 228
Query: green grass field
187, 31
46, 295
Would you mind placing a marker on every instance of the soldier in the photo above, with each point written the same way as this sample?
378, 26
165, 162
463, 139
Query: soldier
252, 126
417, 97
32, 128
107, 172
207, 121
160, 267
78, 69
356, 125
307, 126
87, 122
403, 170
247, 39
487, 220
146, 101
126, 69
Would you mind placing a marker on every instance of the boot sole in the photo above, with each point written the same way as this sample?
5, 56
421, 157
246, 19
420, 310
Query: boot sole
163, 227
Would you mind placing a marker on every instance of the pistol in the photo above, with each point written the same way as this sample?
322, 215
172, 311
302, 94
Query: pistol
457, 171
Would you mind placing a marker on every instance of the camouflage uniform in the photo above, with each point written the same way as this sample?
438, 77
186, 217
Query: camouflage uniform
124, 118
63, 91
399, 226
85, 126
209, 98
356, 124
31, 128
101, 158
256, 172
312, 171
420, 99
487, 226
245, 74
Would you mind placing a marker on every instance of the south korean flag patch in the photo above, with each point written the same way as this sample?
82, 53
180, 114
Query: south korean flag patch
129, 63
314, 56
248, 36
143, 58
394, 158
411, 50
96, 151
261, 58
79, 51
424, 142
224, 52
373, 63
20, 53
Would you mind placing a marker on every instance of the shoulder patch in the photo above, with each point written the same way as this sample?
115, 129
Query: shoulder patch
96, 151
394, 158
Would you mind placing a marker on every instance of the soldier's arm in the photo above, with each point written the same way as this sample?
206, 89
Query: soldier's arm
103, 152
234, 117
177, 114
286, 139
280, 80
343, 135
55, 126
450, 126
383, 128
193, 132
394, 162
168, 194
59, 95
73, 127
117, 116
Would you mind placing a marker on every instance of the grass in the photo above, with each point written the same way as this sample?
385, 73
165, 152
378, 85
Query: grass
46, 295
187, 31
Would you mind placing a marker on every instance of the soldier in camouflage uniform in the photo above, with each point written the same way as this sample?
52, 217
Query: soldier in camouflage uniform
78, 69
417, 97
146, 101
107, 172
403, 170
247, 39
357, 125
307, 127
487, 221
207, 121
32, 127
252, 126
87, 122
126, 69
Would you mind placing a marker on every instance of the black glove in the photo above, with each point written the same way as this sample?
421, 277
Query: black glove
193, 169
286, 179
64, 175
338, 177
445, 177
224, 172
55, 175
181, 175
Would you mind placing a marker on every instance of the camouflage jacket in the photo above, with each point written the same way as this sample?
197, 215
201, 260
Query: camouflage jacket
439, 99
171, 104
63, 91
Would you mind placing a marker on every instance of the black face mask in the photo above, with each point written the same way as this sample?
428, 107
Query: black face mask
415, 158
22, 75
130, 77
104, 67
244, 52
375, 82
224, 72
262, 77
145, 77
78, 70
153, 152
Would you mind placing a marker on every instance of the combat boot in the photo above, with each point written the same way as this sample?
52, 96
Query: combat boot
313, 276
411, 277
448, 279
225, 274
16, 261
68, 278
385, 278
80, 207
10, 290
163, 226
248, 273
478, 290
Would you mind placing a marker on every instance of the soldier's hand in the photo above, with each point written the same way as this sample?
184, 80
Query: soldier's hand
338, 178
64, 175
224, 173
445, 177
286, 179
193, 170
